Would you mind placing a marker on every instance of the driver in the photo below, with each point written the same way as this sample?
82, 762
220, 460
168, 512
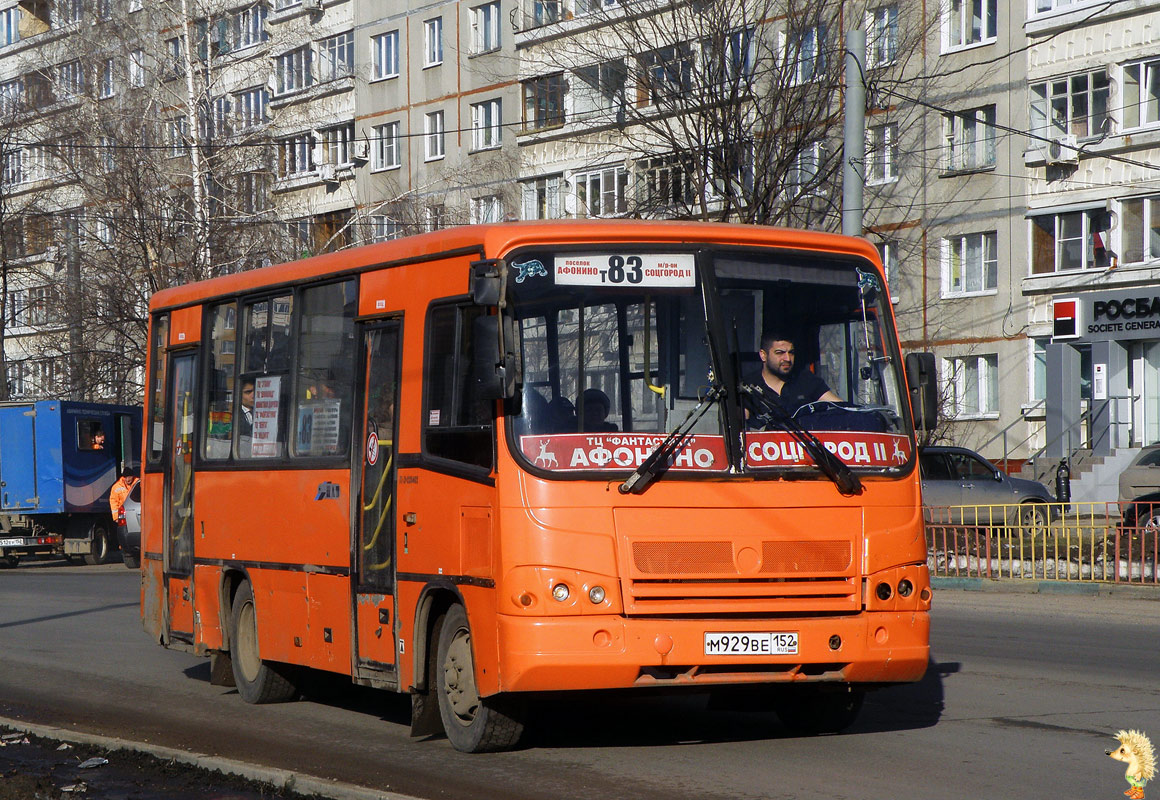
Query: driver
780, 383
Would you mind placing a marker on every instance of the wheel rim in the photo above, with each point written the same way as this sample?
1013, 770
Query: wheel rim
459, 678
1033, 521
247, 642
100, 544
1152, 523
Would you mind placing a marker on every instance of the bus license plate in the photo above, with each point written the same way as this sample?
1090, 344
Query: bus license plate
765, 643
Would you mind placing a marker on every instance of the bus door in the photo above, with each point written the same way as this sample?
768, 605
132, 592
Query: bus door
179, 533
374, 525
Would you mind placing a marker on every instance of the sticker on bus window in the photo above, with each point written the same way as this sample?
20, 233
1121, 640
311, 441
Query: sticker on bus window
620, 451
318, 427
607, 269
267, 402
780, 449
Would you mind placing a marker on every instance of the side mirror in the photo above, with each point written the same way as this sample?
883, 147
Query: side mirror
922, 381
998, 476
495, 364
488, 282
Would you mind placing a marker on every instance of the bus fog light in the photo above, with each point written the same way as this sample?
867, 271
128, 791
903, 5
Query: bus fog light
596, 594
905, 587
835, 642
884, 591
525, 600
560, 592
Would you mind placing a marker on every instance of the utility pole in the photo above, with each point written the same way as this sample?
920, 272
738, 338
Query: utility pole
854, 149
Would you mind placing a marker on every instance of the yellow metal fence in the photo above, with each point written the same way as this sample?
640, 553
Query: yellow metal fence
1045, 541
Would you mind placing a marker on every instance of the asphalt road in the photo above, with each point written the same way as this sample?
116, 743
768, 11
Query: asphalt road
1023, 695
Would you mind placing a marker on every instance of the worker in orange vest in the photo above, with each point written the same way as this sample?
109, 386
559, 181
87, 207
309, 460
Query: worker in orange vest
121, 489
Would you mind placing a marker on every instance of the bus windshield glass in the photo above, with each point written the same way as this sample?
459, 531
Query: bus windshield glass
620, 348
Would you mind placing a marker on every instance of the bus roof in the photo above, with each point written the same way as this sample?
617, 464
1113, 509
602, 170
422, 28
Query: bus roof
497, 239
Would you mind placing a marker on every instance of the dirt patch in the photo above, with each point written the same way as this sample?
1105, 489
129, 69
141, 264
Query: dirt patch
32, 768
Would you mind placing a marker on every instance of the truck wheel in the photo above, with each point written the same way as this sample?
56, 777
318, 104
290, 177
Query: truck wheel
258, 681
811, 711
11, 560
473, 724
102, 546
132, 560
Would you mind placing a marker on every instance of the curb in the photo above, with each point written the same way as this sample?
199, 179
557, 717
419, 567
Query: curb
1017, 586
285, 780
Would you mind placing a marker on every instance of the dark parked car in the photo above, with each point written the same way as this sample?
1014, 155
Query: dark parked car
956, 476
1140, 489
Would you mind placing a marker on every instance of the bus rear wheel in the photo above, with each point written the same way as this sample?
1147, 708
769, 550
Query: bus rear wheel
258, 681
812, 710
473, 724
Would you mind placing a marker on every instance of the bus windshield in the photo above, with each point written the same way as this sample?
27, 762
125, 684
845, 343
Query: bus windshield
621, 348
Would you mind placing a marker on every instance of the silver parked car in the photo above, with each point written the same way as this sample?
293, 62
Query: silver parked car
958, 477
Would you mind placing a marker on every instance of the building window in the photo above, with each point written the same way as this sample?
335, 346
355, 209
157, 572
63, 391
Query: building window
336, 144
251, 107
1051, 5
12, 170
804, 53
384, 228
970, 264
1069, 241
1141, 94
385, 56
598, 87
888, 252
666, 74
336, 57
881, 36
1139, 229
69, 11
106, 78
177, 134
882, 153
433, 138
602, 192
969, 139
292, 70
968, 22
70, 80
175, 55
1074, 104
433, 42
542, 198
544, 101
386, 149
1038, 368
435, 217
486, 210
805, 172
664, 182
247, 28
41, 304
10, 26
137, 68
294, 155
486, 125
485, 28
973, 385
11, 95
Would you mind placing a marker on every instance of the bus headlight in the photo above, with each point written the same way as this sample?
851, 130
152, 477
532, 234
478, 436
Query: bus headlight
596, 594
560, 592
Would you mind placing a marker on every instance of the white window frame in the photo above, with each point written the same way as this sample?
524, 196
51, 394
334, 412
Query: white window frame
542, 197
385, 151
486, 210
970, 264
137, 69
888, 253
432, 42
969, 140
1089, 245
384, 228
337, 144
252, 107
485, 28
882, 153
805, 171
881, 36
385, 56
107, 79
1148, 241
434, 136
803, 51
293, 70
1141, 97
336, 57
972, 386
10, 26
296, 155
1046, 95
248, 27
958, 29
487, 124
70, 79
601, 192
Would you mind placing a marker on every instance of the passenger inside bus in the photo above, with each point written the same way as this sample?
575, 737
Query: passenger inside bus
595, 407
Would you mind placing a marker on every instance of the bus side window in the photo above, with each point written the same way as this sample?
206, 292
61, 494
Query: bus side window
326, 350
457, 424
267, 368
155, 423
219, 386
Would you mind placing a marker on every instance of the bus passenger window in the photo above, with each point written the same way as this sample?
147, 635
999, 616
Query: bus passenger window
267, 367
457, 423
326, 351
219, 388
155, 430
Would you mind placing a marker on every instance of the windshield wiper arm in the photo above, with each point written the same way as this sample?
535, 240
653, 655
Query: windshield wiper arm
833, 467
658, 459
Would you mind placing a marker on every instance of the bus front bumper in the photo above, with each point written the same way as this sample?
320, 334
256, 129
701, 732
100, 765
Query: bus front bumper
613, 652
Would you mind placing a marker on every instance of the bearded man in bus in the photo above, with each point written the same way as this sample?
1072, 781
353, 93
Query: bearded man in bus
780, 383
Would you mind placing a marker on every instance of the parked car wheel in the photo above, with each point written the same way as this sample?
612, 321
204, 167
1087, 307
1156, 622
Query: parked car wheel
1033, 519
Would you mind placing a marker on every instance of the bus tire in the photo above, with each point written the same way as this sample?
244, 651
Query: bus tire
473, 724
102, 547
258, 681
811, 711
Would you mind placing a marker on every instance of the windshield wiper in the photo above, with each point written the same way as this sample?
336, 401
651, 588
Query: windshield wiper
833, 467
658, 460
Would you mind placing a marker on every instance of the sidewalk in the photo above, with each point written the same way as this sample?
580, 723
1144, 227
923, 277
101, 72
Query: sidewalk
1022, 586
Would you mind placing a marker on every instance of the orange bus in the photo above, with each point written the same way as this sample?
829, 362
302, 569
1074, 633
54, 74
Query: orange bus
488, 462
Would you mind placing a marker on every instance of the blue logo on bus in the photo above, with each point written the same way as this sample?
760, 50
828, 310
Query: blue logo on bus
530, 269
328, 491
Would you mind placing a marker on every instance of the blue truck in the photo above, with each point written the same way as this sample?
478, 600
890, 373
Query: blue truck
58, 460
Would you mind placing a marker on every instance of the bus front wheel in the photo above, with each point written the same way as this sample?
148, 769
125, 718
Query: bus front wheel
473, 724
258, 681
812, 710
